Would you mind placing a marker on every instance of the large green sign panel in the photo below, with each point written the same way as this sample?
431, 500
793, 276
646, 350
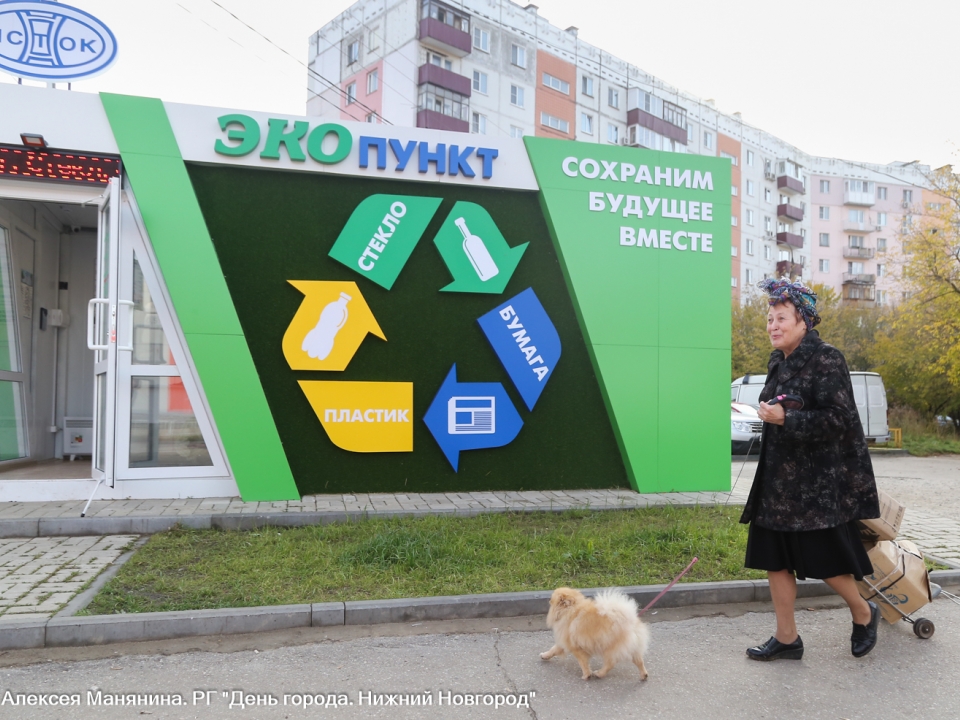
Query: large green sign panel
644, 242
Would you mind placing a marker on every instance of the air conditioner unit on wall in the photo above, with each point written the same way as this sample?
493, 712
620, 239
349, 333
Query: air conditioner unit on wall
905, 204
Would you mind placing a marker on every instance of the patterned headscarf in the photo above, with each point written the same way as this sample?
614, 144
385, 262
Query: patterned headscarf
802, 297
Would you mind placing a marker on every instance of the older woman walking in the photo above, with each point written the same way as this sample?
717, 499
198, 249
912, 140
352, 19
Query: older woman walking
814, 476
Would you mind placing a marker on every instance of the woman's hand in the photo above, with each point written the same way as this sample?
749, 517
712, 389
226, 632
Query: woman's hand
773, 414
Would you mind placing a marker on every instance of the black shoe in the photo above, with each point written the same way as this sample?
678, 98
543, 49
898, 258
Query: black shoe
773, 649
864, 637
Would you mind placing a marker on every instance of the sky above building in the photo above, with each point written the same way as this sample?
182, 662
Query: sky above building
863, 80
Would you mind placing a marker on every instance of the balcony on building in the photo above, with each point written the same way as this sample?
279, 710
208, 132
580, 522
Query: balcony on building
859, 295
856, 226
654, 113
790, 178
789, 213
439, 108
789, 238
445, 28
859, 192
431, 74
785, 268
858, 253
859, 279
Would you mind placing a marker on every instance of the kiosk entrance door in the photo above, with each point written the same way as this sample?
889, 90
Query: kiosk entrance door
96, 386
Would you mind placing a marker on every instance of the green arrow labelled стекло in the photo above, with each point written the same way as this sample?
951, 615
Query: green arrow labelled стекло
475, 251
381, 234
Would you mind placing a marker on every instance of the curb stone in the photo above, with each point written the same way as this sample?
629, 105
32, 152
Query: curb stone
104, 629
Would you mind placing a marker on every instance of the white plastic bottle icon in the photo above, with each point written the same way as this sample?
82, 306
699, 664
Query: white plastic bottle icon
319, 342
477, 252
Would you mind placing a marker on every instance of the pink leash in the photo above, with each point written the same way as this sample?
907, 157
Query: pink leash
672, 583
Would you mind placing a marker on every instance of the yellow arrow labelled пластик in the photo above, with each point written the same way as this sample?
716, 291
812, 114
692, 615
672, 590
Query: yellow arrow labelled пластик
329, 326
364, 416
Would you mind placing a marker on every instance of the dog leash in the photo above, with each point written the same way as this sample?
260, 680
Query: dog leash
672, 583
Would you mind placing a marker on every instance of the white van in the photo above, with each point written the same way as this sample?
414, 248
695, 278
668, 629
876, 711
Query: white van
868, 391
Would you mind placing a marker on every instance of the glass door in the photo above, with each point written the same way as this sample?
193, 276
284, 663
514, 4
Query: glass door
103, 319
13, 426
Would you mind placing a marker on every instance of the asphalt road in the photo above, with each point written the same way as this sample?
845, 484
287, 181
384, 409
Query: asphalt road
697, 670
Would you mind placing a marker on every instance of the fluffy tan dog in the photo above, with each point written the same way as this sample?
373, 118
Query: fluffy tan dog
608, 626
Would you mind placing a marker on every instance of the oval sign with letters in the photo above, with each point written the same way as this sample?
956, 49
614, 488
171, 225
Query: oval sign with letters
51, 41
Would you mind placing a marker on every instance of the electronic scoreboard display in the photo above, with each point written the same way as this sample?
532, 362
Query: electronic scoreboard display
17, 161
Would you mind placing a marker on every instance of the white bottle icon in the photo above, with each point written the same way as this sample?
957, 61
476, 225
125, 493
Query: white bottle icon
477, 253
319, 342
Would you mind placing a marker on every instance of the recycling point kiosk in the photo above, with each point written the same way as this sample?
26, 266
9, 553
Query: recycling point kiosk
200, 302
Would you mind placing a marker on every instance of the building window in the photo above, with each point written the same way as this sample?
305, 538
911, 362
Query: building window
371, 117
586, 86
733, 282
824, 186
824, 239
749, 157
767, 195
480, 82
613, 133
733, 250
749, 274
855, 241
373, 38
824, 266
907, 220
881, 269
734, 190
479, 124
881, 244
824, 212
556, 123
613, 98
443, 101
481, 40
749, 246
728, 156
353, 52
440, 61
858, 186
881, 297
518, 56
855, 268
881, 193
586, 123
516, 132
373, 81
767, 253
855, 216
351, 93
908, 196
750, 218
556, 83
768, 224
733, 220
516, 95
751, 188
708, 140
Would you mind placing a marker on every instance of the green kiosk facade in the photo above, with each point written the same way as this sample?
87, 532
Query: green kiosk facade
337, 308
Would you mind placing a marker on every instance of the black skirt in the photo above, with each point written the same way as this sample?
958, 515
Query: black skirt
810, 554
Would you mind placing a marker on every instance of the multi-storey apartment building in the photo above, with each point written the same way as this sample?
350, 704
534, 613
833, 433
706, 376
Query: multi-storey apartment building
494, 67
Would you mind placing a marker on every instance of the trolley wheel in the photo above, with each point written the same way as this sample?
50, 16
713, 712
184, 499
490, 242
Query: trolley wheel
923, 628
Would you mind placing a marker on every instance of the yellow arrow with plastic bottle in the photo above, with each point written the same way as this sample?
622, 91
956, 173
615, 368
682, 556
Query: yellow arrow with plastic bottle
329, 326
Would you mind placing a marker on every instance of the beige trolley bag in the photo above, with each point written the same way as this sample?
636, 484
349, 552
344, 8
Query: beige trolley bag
900, 584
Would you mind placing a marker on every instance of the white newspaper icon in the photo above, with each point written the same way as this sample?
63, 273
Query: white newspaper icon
471, 415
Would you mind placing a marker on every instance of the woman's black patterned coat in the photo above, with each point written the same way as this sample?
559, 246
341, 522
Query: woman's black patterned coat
814, 470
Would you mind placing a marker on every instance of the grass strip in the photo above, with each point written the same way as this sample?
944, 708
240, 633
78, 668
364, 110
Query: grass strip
383, 558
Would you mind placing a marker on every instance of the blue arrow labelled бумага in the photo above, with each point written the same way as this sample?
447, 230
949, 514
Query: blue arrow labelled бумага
471, 416
525, 340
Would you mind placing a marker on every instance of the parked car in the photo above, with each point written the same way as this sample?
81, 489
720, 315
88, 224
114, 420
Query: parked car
868, 392
745, 429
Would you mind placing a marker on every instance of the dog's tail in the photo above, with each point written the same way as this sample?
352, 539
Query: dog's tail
622, 609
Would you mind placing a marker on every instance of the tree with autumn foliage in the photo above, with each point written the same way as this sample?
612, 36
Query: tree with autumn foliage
918, 350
